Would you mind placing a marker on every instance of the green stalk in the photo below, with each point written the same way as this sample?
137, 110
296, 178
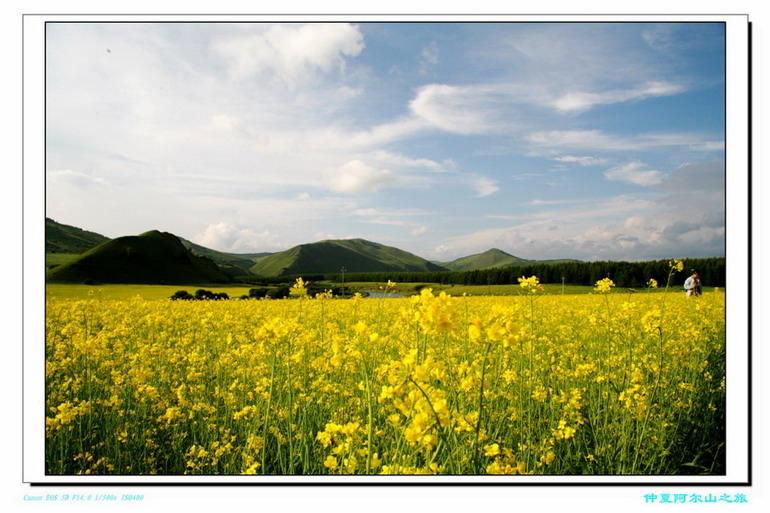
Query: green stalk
438, 422
477, 453
267, 414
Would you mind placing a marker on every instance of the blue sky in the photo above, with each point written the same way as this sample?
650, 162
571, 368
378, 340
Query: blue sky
546, 140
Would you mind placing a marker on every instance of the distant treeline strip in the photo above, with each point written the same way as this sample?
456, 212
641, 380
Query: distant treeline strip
624, 274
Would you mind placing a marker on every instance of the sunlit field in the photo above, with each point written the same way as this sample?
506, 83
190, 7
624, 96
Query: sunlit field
533, 383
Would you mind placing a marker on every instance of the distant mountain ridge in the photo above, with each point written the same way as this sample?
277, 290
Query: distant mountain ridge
158, 257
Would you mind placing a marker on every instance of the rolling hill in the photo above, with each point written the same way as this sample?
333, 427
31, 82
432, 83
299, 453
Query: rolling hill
77, 255
152, 257
62, 238
232, 264
486, 260
330, 256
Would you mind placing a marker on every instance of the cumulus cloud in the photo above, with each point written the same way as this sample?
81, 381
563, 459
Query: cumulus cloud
635, 172
636, 236
227, 237
292, 54
356, 177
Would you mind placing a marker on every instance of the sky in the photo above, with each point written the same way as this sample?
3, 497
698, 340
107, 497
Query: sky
593, 141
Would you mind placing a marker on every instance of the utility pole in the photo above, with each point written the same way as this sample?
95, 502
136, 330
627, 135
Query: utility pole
343, 281
562, 284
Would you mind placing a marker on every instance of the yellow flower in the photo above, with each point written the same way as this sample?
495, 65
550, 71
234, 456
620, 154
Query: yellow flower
604, 285
548, 458
531, 284
330, 462
325, 438
299, 288
677, 265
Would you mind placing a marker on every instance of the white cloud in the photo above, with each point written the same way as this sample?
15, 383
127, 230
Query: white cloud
696, 176
227, 124
428, 57
391, 212
460, 109
356, 177
635, 172
484, 186
77, 179
659, 36
588, 140
541, 202
291, 54
397, 159
334, 137
576, 102
582, 160
227, 237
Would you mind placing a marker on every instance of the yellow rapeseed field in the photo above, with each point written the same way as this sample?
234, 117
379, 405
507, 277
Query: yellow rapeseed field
601, 383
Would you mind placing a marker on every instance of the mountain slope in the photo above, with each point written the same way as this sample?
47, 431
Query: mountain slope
233, 264
150, 258
62, 238
488, 259
330, 256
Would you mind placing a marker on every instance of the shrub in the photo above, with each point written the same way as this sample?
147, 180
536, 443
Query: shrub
257, 293
279, 293
182, 294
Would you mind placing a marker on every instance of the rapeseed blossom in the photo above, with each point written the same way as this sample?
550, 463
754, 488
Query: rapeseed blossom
532, 284
676, 265
425, 385
604, 285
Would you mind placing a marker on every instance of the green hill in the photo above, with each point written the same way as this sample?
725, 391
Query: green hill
486, 260
151, 258
232, 264
62, 238
329, 256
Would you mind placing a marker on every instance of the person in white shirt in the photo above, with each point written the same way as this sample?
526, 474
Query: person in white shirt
692, 284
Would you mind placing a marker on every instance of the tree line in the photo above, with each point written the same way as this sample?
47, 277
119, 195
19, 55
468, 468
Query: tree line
623, 274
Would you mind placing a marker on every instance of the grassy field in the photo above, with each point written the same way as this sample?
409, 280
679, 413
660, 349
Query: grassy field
586, 384
145, 292
152, 292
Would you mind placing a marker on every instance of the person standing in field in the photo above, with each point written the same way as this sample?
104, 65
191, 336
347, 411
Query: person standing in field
692, 284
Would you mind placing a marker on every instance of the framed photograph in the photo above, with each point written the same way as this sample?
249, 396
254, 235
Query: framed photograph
353, 250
